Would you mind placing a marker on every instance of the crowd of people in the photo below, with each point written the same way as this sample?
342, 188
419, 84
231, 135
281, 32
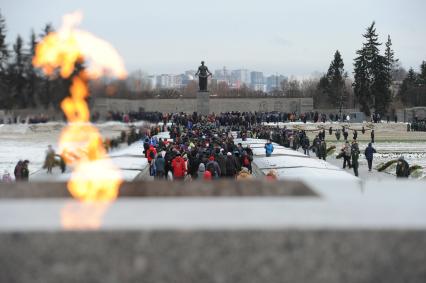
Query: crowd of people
203, 146
202, 151
417, 126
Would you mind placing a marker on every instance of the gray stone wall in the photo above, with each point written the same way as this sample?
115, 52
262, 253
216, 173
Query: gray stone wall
215, 256
411, 113
217, 105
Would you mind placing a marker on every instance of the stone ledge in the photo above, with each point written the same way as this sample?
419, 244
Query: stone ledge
220, 188
214, 256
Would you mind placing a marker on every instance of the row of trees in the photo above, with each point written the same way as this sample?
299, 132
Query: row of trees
22, 85
374, 75
413, 88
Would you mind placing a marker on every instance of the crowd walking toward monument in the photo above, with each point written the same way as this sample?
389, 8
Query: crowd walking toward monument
202, 147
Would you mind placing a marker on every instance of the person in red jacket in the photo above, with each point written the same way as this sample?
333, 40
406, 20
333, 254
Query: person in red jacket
179, 167
151, 153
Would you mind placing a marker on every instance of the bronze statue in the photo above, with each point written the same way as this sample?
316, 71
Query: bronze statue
203, 73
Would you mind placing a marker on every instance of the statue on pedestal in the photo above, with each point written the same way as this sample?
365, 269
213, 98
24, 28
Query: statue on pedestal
203, 73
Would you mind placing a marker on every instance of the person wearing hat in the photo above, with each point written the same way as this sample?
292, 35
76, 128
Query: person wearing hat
201, 171
231, 165
244, 174
213, 167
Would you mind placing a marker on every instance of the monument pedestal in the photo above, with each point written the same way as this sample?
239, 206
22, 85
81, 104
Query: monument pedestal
203, 102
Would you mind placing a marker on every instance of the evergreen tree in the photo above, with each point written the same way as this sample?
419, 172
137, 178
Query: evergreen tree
389, 54
372, 78
422, 75
4, 56
31, 72
412, 76
17, 75
413, 89
46, 83
335, 76
362, 82
323, 87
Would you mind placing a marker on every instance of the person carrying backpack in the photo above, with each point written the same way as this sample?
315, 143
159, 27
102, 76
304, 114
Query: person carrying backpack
213, 167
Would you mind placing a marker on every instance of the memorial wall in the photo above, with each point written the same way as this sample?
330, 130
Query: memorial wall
217, 105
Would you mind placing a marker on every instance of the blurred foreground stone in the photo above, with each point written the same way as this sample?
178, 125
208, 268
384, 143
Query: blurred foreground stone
253, 232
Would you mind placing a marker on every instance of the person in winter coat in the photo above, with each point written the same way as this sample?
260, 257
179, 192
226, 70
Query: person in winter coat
160, 166
50, 159
369, 152
322, 151
346, 155
213, 167
244, 174
269, 148
355, 157
18, 171
305, 145
345, 134
231, 165
151, 153
402, 168
25, 173
178, 167
221, 160
246, 161
337, 134
201, 171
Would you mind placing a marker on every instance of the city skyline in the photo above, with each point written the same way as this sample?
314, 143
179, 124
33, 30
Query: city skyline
287, 37
234, 79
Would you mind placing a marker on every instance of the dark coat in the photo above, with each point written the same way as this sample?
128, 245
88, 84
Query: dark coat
369, 151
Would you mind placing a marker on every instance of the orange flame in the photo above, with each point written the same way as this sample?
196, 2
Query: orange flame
94, 177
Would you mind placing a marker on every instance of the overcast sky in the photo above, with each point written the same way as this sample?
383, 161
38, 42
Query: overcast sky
294, 37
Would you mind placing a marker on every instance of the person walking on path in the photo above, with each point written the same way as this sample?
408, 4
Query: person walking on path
355, 156
269, 148
369, 152
346, 155
160, 165
372, 136
322, 151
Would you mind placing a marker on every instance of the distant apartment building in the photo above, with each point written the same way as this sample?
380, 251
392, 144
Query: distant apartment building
169, 81
257, 81
240, 77
140, 81
274, 82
